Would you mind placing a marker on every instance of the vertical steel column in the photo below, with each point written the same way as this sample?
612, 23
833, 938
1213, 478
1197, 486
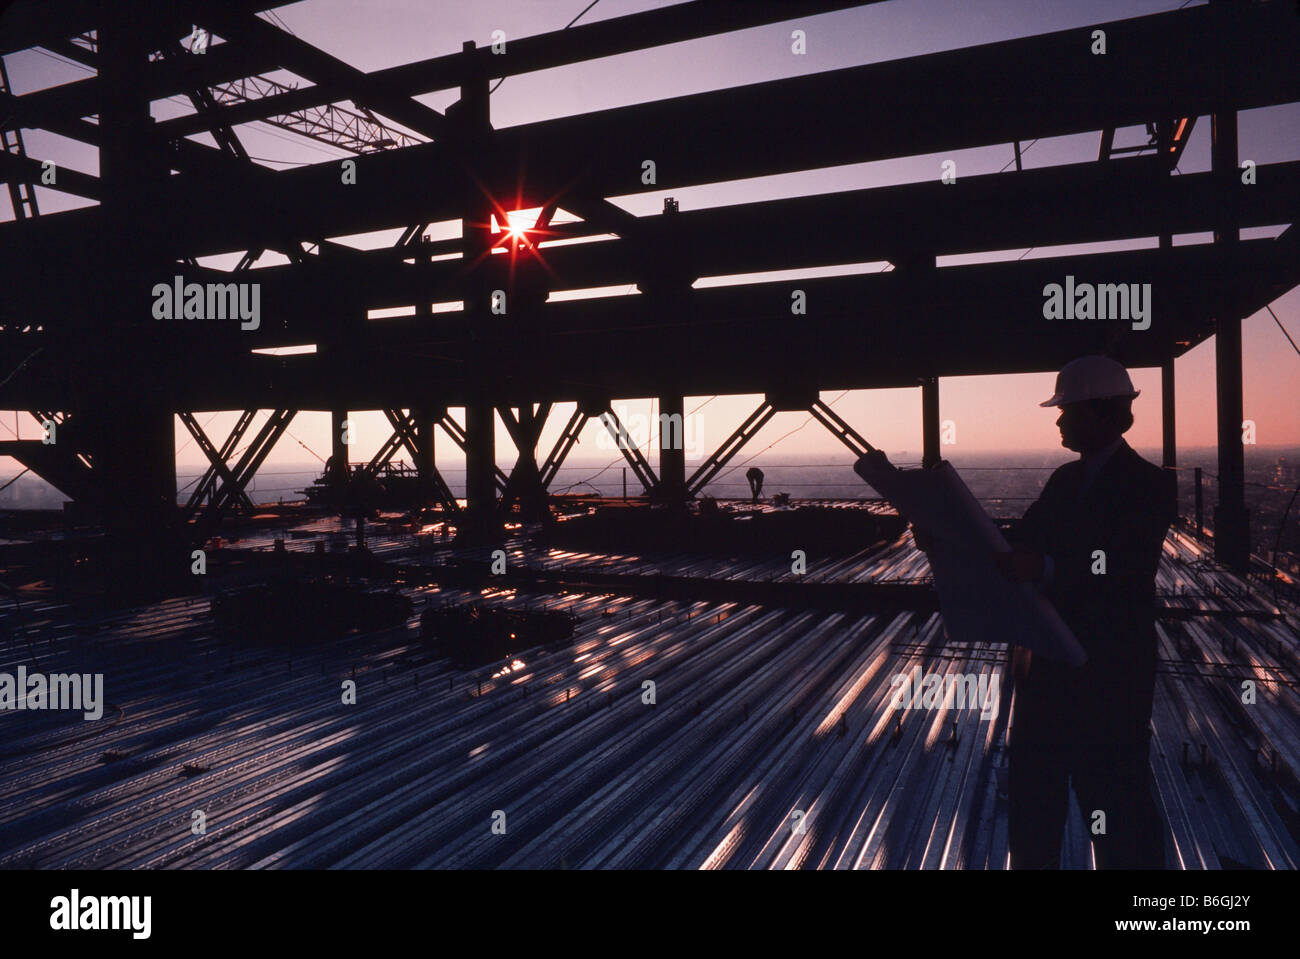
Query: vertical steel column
338, 449
129, 405
1167, 422
480, 452
1231, 520
526, 478
1169, 458
425, 460
664, 283
919, 265
672, 448
1169, 433
472, 118
929, 422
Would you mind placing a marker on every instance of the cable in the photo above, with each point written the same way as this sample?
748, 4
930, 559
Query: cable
1282, 328
204, 428
279, 22
1023, 151
581, 15
71, 63
304, 446
566, 26
302, 141
732, 469
619, 459
20, 366
702, 405
270, 160
1277, 543
1215, 477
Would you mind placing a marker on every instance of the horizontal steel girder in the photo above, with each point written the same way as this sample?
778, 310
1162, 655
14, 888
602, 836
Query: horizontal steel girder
1078, 203
1185, 63
876, 330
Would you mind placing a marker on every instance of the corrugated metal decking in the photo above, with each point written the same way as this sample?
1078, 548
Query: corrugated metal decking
760, 712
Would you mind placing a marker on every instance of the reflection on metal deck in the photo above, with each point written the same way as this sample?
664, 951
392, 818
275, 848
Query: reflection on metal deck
761, 712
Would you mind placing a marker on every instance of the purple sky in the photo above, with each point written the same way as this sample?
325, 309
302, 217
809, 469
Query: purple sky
988, 412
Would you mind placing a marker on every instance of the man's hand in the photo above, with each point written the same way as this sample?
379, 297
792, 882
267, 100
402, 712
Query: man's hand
876, 460
1021, 565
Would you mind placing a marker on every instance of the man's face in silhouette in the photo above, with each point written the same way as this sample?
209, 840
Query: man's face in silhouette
1083, 430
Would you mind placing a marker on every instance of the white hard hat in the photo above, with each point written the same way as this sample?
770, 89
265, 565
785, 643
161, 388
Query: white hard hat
1090, 378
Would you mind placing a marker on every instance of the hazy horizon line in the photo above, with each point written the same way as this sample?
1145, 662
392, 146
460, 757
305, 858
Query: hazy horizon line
809, 459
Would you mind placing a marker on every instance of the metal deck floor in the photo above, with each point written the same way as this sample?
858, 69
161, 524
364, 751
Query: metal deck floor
760, 712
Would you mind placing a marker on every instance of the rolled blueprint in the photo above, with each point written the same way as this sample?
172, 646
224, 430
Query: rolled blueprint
977, 603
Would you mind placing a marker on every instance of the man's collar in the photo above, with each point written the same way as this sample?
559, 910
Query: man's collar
1103, 454
1093, 467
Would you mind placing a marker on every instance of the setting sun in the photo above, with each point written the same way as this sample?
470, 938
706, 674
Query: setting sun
519, 222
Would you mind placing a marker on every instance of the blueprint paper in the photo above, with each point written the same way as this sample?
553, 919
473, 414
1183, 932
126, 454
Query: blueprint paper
977, 603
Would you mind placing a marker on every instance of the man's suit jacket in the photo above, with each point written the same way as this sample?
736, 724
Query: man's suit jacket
1120, 520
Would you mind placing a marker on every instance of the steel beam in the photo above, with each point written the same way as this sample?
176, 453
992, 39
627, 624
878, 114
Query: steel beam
929, 422
217, 468
1168, 429
389, 87
1231, 519
159, 79
460, 437
32, 23
74, 51
1076, 203
621, 345
338, 461
131, 431
524, 482
414, 431
563, 444
20, 172
1164, 65
732, 445
59, 466
245, 469
841, 429
631, 452
395, 441
322, 69
672, 448
425, 454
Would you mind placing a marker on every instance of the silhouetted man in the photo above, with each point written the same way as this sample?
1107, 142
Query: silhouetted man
1091, 543
755, 477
